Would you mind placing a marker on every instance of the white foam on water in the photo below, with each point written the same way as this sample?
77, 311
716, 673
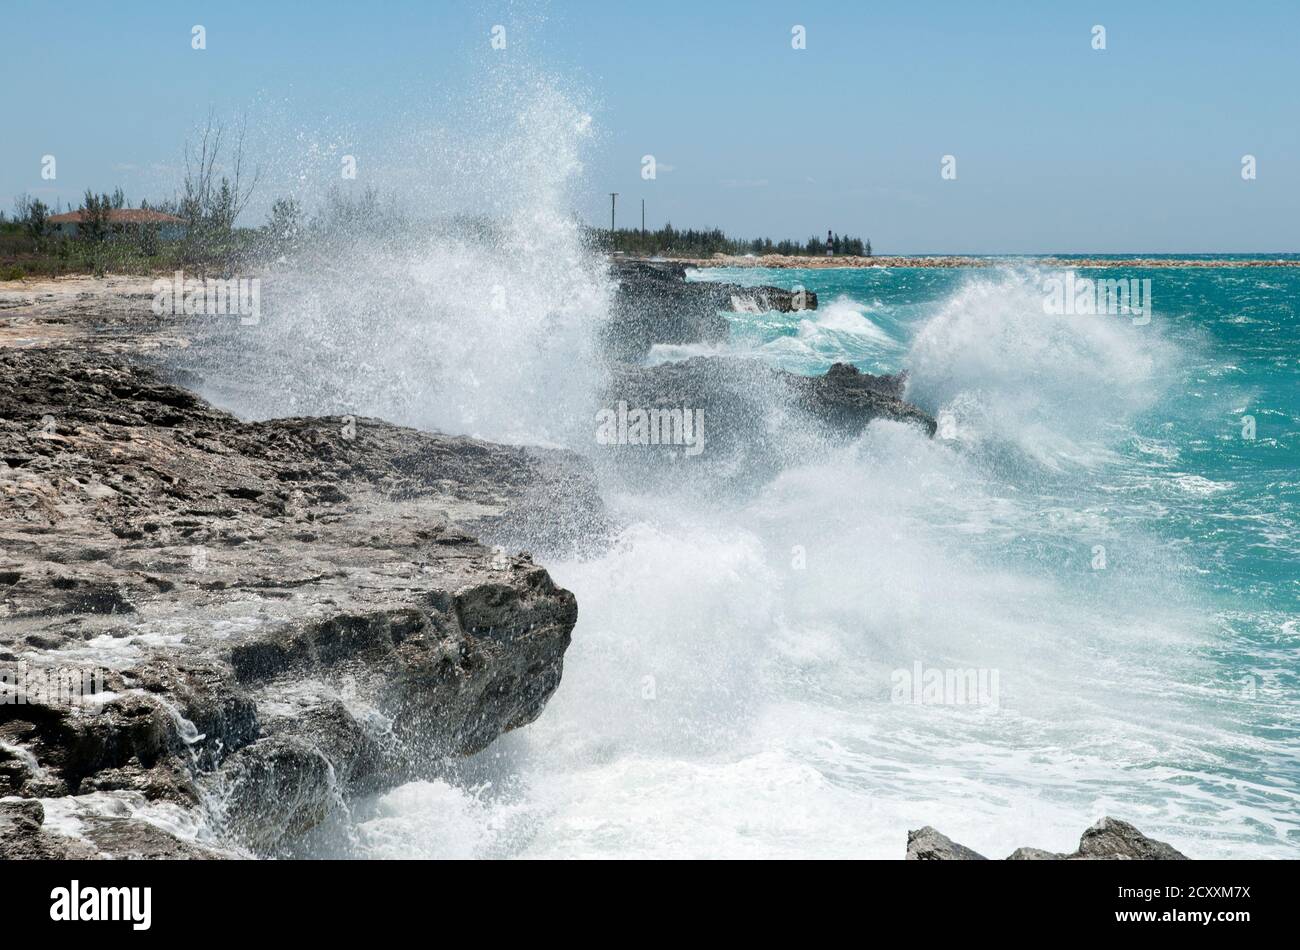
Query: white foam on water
720, 701
25, 757
729, 689
840, 330
1054, 386
68, 815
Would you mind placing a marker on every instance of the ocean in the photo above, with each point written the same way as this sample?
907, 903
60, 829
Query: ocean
1102, 542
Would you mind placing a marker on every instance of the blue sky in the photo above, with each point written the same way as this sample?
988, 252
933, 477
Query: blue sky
1059, 147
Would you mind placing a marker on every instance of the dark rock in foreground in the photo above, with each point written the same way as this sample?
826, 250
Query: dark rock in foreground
654, 303
103, 837
269, 615
1108, 839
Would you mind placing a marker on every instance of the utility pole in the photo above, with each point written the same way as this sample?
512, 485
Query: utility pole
643, 217
613, 198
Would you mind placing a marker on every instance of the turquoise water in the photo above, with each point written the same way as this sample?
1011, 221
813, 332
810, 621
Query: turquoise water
1096, 431
1234, 350
1090, 531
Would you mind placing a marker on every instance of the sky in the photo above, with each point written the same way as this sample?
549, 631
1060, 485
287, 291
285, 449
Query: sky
1058, 147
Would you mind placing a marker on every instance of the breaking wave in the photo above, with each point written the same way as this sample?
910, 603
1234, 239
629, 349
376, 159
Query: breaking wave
729, 690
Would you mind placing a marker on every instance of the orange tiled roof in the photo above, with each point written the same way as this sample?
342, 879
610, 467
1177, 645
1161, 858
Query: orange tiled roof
122, 216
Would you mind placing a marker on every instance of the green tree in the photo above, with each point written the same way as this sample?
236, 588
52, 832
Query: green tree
284, 227
95, 210
37, 222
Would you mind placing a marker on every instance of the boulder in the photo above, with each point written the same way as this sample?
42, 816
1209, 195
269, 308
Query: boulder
655, 303
23, 836
753, 420
929, 845
1112, 838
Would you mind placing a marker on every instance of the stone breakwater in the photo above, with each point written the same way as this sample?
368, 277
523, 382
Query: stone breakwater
789, 262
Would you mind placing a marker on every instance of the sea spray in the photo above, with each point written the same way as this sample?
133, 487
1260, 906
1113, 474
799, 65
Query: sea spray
728, 688
467, 310
996, 369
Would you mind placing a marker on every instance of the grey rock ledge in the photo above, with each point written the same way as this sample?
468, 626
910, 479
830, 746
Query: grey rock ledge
280, 613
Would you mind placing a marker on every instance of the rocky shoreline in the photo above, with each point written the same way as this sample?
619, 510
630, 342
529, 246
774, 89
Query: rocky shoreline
257, 620
655, 304
280, 613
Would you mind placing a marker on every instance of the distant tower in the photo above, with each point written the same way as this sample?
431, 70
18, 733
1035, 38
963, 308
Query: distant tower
830, 243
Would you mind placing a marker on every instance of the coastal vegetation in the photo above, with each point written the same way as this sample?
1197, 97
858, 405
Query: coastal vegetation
107, 234
705, 242
206, 238
31, 245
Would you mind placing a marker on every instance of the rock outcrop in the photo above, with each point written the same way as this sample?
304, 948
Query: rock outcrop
654, 303
752, 419
847, 399
252, 620
929, 845
1108, 839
